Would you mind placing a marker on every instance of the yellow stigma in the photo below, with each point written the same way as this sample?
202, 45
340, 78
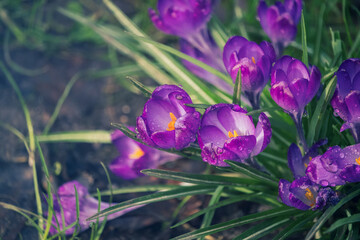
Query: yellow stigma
305, 164
171, 125
231, 135
253, 60
310, 197
138, 153
357, 160
310, 158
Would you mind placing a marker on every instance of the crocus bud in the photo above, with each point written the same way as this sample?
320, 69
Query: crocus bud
346, 99
253, 61
166, 121
227, 133
280, 21
292, 86
182, 18
65, 199
135, 156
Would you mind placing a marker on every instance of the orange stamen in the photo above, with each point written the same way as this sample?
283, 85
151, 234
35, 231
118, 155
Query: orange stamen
305, 164
171, 125
138, 153
357, 160
231, 135
253, 60
310, 197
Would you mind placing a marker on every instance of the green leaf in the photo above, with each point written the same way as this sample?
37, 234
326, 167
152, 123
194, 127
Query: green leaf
277, 212
200, 178
330, 212
320, 109
336, 43
253, 173
147, 93
262, 229
90, 136
134, 189
155, 197
210, 214
237, 90
201, 106
345, 23
215, 206
344, 221
268, 109
305, 57
125, 130
296, 225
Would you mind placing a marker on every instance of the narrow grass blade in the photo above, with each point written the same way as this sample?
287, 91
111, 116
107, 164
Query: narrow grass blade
201, 106
330, 212
200, 178
237, 89
155, 197
345, 23
90, 136
210, 214
262, 229
344, 221
134, 189
305, 57
253, 173
147, 93
277, 212
319, 34
16, 133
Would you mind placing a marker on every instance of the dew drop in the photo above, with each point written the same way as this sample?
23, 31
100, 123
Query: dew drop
342, 155
324, 183
179, 97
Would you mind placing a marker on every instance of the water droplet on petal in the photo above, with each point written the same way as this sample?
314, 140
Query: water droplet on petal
341, 155
324, 183
179, 97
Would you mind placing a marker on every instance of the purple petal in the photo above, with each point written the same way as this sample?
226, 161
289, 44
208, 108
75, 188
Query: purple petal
268, 50
122, 168
212, 134
158, 114
352, 101
304, 190
262, 133
242, 146
298, 89
186, 128
284, 192
343, 83
314, 83
295, 161
282, 95
216, 155
340, 107
231, 46
350, 173
164, 139
142, 131
325, 197
297, 70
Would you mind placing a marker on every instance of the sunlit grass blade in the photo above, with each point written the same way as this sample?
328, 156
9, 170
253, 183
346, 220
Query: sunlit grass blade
200, 178
16, 133
319, 34
253, 173
155, 197
237, 90
296, 225
330, 212
277, 212
90, 136
218, 32
210, 214
344, 221
216, 206
305, 57
201, 106
262, 229
320, 109
146, 92
135, 189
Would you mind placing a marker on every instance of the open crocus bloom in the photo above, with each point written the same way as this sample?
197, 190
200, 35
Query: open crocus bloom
303, 193
292, 86
280, 21
346, 99
166, 121
336, 166
134, 156
253, 60
88, 206
182, 18
227, 133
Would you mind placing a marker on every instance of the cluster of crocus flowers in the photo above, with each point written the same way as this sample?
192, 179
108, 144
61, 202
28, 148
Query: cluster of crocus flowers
254, 63
134, 156
346, 99
64, 207
280, 21
228, 133
293, 86
303, 193
188, 19
167, 122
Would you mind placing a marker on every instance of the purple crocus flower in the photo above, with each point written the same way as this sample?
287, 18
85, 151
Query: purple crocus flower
293, 86
88, 206
302, 193
346, 99
135, 156
253, 60
280, 21
166, 121
336, 166
183, 18
227, 133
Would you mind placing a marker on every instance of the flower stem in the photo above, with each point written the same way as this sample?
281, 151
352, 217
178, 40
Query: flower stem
254, 99
300, 131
